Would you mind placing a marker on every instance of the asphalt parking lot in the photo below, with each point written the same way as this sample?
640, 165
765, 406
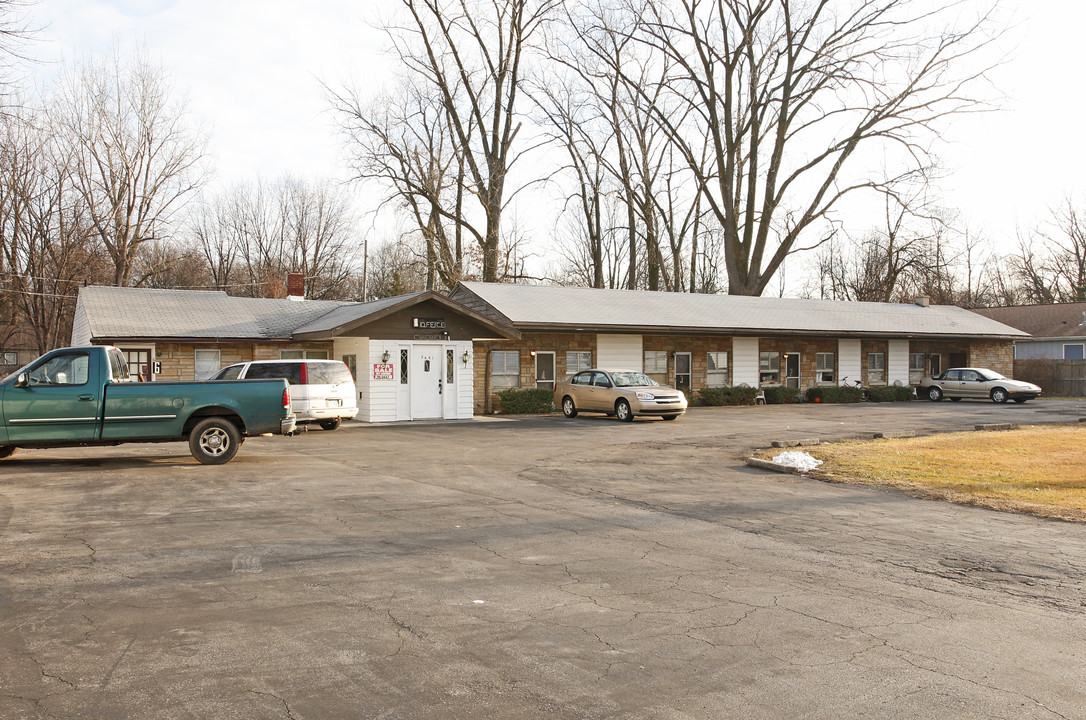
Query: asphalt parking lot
531, 568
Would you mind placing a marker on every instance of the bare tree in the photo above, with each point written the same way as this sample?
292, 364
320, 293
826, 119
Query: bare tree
395, 270
14, 32
136, 157
789, 94
404, 142
251, 236
470, 55
1059, 275
45, 237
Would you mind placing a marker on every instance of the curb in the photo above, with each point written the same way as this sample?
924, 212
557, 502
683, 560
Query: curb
794, 443
776, 467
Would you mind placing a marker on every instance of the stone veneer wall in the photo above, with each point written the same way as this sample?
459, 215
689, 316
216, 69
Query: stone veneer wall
179, 360
558, 343
997, 355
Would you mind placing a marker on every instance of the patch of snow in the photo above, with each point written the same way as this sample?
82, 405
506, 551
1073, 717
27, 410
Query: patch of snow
802, 461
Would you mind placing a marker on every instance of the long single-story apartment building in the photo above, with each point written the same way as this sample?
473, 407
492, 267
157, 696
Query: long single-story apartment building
425, 355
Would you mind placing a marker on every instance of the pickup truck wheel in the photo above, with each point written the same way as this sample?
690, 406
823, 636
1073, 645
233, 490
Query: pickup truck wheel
6, 451
214, 441
330, 424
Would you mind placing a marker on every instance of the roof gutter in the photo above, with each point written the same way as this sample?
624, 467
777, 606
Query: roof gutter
750, 332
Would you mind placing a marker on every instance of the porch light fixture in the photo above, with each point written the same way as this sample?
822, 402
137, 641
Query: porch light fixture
384, 356
465, 357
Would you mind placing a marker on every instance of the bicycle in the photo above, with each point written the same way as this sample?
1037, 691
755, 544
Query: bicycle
858, 385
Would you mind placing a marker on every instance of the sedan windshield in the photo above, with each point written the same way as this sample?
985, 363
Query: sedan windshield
632, 379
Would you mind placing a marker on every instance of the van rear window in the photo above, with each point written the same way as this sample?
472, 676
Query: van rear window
329, 373
292, 372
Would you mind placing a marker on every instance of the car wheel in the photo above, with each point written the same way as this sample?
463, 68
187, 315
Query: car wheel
569, 409
214, 441
999, 395
6, 451
668, 417
330, 424
935, 394
623, 411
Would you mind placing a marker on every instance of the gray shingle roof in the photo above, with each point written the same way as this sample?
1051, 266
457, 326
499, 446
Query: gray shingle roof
352, 312
115, 312
1065, 320
530, 306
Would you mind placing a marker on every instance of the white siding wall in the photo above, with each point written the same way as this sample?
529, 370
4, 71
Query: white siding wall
81, 330
359, 347
745, 361
849, 361
619, 352
897, 362
465, 380
390, 400
382, 394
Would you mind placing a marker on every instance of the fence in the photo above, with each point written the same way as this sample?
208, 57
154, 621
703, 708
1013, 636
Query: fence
1059, 378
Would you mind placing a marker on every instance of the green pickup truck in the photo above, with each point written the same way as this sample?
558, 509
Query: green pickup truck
84, 396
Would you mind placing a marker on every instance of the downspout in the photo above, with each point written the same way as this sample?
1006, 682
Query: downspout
486, 381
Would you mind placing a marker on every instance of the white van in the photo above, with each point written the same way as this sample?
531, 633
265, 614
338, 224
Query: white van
321, 391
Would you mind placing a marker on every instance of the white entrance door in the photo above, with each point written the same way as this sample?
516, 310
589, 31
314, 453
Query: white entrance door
425, 381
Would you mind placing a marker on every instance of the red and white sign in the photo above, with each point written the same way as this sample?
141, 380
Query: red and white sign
383, 371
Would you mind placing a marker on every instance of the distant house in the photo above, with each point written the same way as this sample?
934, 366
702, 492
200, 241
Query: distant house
1058, 332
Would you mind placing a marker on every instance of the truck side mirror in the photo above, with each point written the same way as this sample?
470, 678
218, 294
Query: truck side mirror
22, 381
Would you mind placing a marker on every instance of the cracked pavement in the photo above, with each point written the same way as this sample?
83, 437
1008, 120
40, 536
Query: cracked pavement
531, 568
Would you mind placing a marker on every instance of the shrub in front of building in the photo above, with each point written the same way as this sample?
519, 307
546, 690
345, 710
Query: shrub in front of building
527, 401
780, 395
835, 394
890, 393
727, 396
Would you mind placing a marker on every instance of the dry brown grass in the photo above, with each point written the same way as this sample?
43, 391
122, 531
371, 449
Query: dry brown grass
1037, 470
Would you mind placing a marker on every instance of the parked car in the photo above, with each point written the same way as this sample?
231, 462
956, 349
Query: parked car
958, 383
80, 396
622, 393
321, 391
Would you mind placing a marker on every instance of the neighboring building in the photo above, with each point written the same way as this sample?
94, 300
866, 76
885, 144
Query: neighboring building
425, 355
1058, 331
17, 348
410, 355
694, 341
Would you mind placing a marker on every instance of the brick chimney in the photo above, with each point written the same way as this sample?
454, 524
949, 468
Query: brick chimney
295, 286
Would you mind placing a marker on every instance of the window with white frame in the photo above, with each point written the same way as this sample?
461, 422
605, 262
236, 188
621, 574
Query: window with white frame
9, 357
824, 370
655, 362
876, 368
769, 367
504, 369
716, 369
916, 362
1074, 351
576, 361
207, 363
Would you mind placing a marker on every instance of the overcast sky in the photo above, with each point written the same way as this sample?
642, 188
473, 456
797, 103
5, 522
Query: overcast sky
252, 70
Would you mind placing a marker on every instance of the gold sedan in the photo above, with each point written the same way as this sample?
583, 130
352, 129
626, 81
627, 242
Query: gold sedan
622, 393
